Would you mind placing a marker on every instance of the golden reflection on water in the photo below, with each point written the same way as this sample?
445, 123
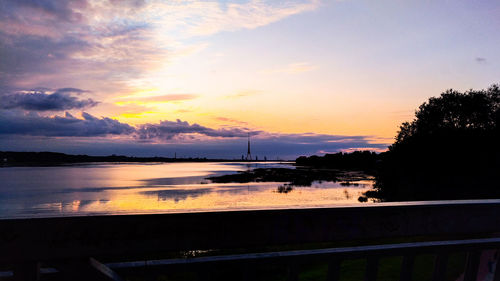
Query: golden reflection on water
161, 188
218, 197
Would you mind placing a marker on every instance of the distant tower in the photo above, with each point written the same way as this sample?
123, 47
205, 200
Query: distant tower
249, 155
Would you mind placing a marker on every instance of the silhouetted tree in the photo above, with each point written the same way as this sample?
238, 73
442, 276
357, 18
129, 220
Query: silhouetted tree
449, 151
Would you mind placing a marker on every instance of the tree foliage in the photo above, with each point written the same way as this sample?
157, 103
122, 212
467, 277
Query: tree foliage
449, 151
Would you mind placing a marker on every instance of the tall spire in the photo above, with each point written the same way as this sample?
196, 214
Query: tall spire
249, 155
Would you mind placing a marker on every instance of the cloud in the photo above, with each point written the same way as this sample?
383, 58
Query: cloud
290, 146
277, 146
352, 149
292, 68
172, 97
314, 139
480, 60
203, 141
41, 101
202, 18
230, 120
155, 99
92, 135
242, 94
167, 130
71, 90
45, 42
228, 142
32, 124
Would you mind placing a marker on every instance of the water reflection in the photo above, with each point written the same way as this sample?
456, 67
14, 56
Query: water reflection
285, 188
177, 194
154, 188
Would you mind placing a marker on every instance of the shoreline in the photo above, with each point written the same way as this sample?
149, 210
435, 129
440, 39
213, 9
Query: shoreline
43, 159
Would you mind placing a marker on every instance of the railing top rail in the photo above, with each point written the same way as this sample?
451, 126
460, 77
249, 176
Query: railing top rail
341, 253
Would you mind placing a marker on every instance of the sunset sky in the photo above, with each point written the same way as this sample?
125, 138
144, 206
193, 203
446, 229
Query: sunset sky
154, 77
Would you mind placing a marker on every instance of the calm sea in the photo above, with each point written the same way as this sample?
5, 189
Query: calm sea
95, 189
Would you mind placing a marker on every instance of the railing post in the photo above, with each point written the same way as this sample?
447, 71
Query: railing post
204, 273
293, 270
333, 270
249, 271
407, 268
440, 264
371, 268
472, 265
497, 266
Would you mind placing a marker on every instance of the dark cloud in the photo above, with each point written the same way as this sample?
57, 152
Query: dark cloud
59, 100
480, 60
32, 124
23, 131
32, 54
71, 90
290, 146
51, 40
166, 130
61, 10
285, 147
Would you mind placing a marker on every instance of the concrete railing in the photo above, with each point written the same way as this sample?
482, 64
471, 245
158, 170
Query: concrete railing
73, 245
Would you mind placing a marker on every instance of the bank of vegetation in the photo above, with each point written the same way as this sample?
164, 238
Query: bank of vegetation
450, 150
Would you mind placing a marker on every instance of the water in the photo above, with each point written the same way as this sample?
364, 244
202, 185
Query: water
92, 189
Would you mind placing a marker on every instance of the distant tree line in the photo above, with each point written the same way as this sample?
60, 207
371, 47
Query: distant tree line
8, 158
358, 160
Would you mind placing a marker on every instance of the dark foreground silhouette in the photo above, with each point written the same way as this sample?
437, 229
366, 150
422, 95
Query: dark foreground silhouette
449, 151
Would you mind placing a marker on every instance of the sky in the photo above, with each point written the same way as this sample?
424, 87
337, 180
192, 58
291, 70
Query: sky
196, 78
